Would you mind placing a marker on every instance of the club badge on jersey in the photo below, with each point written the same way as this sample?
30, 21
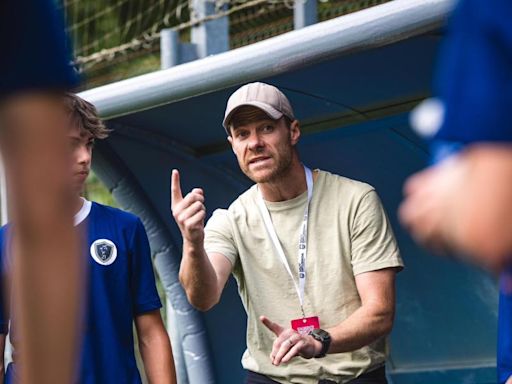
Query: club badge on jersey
103, 251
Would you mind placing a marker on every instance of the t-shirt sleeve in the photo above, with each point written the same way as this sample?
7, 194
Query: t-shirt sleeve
144, 293
373, 244
219, 236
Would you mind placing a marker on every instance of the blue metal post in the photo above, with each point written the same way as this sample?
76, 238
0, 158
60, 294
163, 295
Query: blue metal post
169, 48
304, 13
212, 36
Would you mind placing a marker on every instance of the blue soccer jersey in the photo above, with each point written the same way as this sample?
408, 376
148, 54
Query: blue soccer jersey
120, 286
474, 79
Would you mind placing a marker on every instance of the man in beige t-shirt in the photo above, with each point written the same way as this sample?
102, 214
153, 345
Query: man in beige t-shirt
313, 254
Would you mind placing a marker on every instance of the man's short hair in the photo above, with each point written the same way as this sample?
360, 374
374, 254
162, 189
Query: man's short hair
248, 114
85, 116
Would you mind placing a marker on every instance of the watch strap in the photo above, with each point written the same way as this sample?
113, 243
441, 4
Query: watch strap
324, 337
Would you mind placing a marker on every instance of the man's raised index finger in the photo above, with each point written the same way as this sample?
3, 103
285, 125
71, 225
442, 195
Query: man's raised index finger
176, 195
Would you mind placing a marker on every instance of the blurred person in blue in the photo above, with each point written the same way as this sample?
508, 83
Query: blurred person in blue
35, 69
463, 203
120, 284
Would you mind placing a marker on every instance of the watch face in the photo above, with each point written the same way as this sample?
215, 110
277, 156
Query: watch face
323, 337
320, 334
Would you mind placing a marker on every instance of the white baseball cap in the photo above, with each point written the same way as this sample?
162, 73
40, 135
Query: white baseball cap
260, 95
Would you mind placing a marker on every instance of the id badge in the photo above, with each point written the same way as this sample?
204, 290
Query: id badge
306, 325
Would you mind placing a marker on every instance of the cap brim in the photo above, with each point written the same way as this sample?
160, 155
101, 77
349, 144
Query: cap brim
268, 109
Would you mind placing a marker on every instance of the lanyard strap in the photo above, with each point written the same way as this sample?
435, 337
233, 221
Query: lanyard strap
303, 239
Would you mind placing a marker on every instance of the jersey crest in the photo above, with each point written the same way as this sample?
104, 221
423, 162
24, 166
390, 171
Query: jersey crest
103, 251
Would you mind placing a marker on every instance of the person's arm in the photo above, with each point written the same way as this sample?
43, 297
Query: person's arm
155, 348
44, 241
203, 276
464, 205
153, 339
35, 150
371, 321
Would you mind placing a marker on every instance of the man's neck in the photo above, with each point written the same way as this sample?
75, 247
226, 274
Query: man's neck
289, 185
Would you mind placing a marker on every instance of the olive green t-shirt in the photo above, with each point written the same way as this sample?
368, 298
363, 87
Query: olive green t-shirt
348, 234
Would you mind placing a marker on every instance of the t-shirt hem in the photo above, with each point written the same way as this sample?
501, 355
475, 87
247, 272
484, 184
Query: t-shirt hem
150, 306
394, 263
323, 376
224, 253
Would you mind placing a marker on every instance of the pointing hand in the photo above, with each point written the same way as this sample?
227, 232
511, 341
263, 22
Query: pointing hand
189, 211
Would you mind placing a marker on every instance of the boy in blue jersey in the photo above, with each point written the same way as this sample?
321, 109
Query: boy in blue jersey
464, 203
119, 277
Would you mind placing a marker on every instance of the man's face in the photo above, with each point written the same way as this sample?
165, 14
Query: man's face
81, 143
265, 149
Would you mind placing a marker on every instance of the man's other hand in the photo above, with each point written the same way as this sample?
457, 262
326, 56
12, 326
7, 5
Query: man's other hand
290, 343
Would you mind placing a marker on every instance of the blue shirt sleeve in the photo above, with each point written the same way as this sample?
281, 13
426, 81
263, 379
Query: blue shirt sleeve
144, 292
475, 73
35, 50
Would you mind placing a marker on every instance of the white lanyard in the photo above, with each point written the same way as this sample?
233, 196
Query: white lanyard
303, 239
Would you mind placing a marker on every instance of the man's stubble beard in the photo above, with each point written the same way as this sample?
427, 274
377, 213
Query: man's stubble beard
281, 168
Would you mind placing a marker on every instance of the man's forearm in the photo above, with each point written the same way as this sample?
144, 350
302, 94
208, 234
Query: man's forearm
198, 277
362, 328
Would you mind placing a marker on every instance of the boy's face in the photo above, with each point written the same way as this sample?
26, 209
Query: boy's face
81, 144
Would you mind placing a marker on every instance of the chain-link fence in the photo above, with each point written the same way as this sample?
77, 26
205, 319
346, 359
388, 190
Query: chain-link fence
116, 39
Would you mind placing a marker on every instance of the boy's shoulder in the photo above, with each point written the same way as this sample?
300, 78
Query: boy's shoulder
105, 212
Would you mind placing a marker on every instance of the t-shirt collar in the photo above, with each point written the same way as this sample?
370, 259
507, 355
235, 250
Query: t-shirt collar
82, 214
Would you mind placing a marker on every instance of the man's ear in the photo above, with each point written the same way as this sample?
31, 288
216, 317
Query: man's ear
230, 139
294, 132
